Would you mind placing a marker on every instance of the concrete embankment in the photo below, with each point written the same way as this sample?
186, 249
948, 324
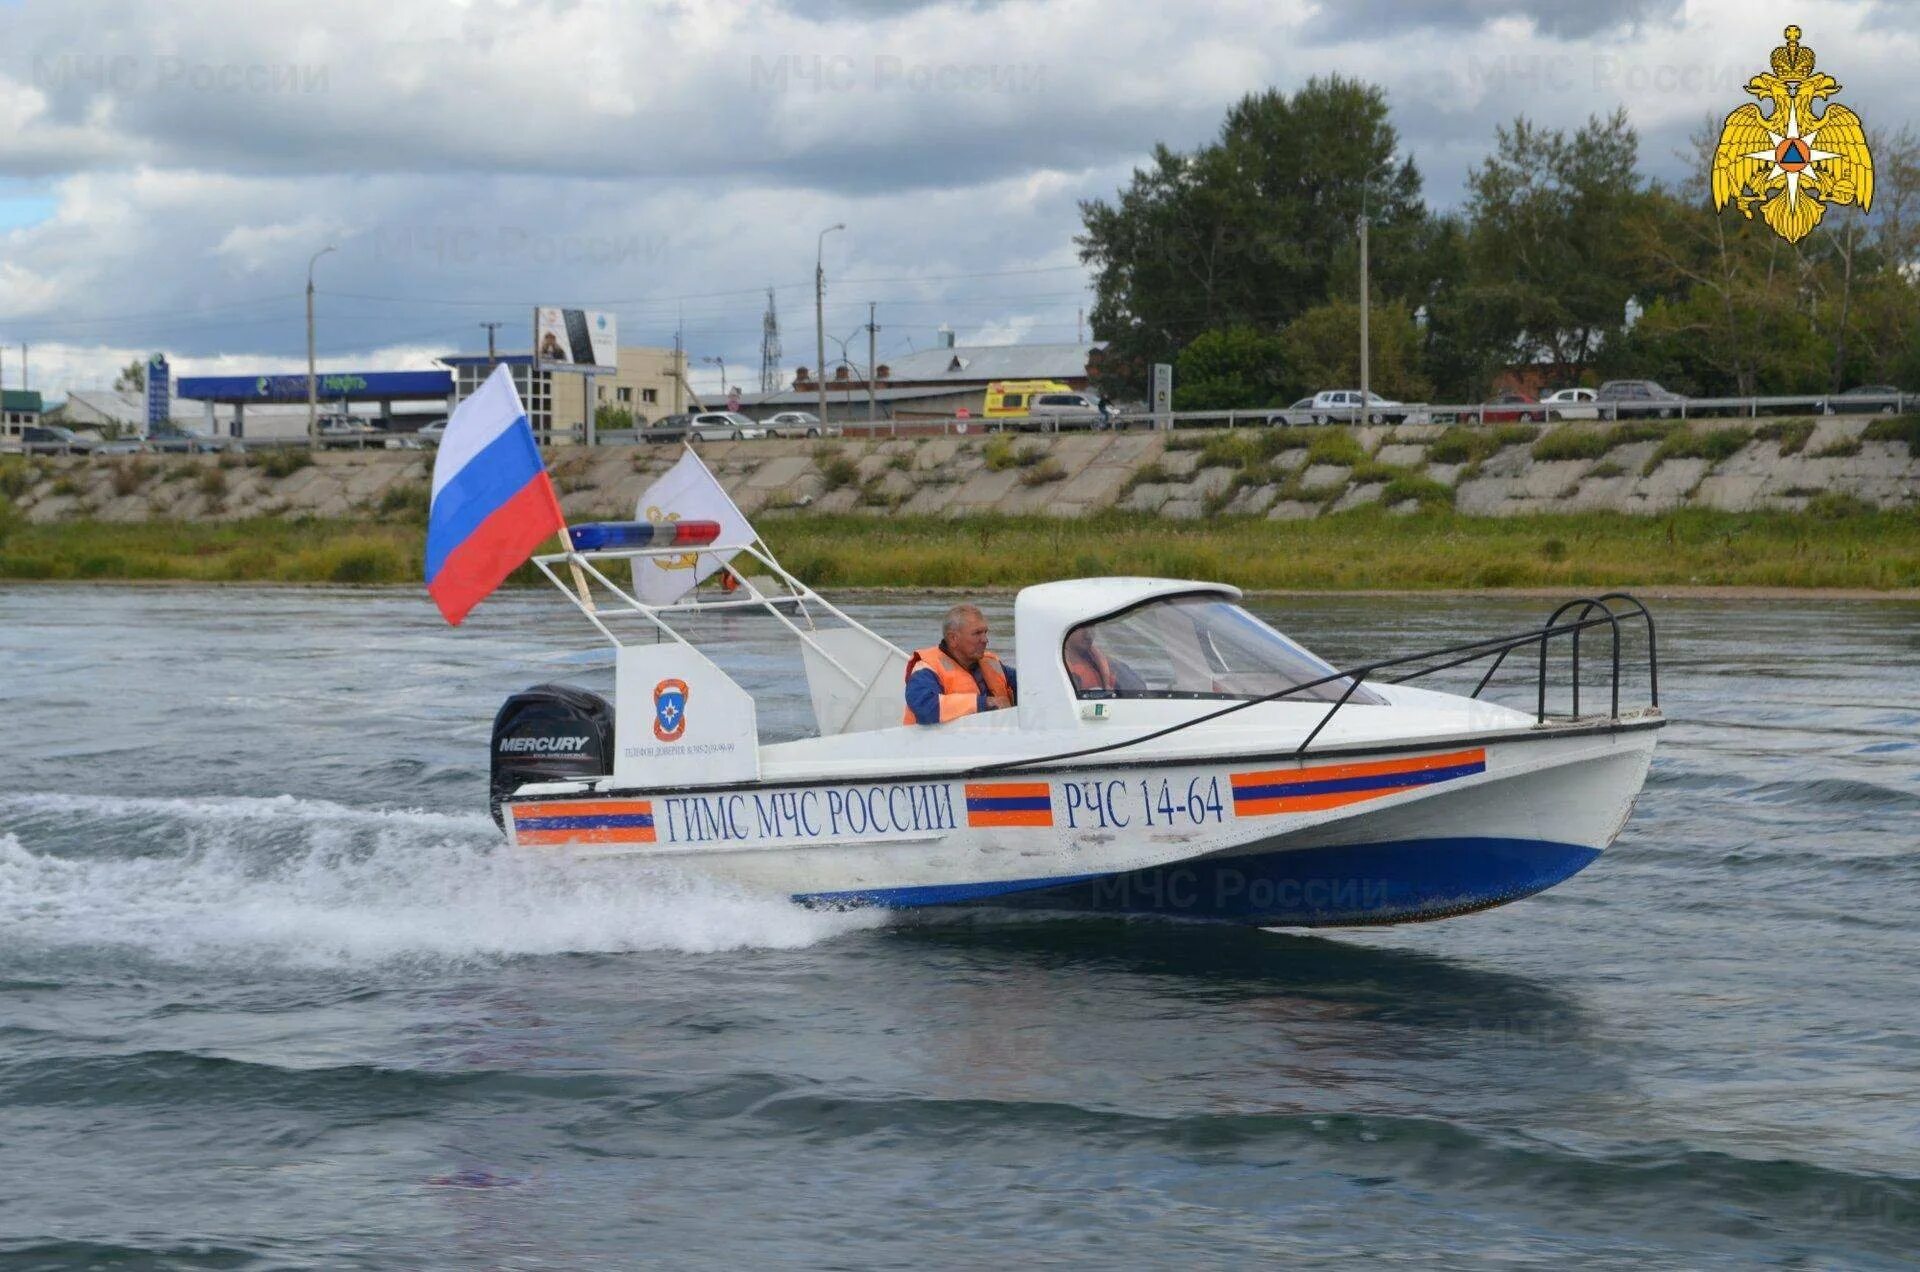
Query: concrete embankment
1635, 467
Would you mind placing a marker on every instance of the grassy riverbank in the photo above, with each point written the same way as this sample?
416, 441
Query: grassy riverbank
1839, 547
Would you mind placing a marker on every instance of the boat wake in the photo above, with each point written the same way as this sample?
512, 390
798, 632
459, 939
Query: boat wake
313, 884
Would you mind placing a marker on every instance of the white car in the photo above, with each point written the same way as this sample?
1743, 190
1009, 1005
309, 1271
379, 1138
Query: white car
799, 424
1064, 410
720, 426
1571, 404
1343, 405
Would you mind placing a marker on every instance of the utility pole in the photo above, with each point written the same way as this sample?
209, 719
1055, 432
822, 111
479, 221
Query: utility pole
679, 364
770, 348
1078, 329
26, 379
873, 371
493, 359
820, 316
313, 383
1365, 305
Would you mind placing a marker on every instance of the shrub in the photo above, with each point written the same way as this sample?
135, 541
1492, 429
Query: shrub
1425, 491
285, 463
1050, 470
17, 477
1335, 446
998, 453
1900, 428
406, 501
367, 563
1569, 442
1684, 443
1145, 475
129, 476
836, 469
1845, 448
212, 482
1791, 434
1834, 505
64, 484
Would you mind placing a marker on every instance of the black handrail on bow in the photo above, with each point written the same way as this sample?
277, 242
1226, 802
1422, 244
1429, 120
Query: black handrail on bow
1497, 647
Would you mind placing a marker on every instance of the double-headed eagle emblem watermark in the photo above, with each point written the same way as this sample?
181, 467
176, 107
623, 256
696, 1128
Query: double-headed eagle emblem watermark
1788, 163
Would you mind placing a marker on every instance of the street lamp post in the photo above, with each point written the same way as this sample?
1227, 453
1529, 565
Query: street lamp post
313, 384
720, 362
819, 315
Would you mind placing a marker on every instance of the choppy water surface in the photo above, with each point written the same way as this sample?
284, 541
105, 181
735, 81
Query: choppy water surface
272, 994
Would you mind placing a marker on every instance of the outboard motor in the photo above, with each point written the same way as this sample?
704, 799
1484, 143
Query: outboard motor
550, 733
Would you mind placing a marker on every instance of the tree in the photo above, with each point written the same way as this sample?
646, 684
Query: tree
1550, 263
1250, 230
1321, 349
1229, 369
132, 378
608, 418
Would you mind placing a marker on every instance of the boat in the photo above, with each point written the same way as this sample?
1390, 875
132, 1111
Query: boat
1229, 775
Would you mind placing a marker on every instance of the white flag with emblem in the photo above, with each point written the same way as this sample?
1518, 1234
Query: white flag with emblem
686, 492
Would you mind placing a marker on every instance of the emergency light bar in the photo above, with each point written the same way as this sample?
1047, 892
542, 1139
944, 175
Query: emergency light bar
598, 536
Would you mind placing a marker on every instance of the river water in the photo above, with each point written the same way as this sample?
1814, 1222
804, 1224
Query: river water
273, 995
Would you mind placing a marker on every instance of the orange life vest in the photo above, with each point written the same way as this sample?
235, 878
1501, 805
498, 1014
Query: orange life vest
1091, 674
959, 691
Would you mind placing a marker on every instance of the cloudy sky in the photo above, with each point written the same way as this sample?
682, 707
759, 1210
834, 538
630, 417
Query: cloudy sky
167, 167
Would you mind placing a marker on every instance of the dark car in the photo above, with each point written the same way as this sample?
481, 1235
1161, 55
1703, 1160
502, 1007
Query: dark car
1865, 399
1619, 399
51, 439
1509, 408
178, 441
671, 428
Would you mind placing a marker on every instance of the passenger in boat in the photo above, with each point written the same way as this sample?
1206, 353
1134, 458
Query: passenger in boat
1093, 673
959, 676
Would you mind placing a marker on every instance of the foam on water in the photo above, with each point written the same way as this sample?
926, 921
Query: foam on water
308, 883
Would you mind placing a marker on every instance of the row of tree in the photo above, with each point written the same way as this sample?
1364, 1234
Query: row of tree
1239, 264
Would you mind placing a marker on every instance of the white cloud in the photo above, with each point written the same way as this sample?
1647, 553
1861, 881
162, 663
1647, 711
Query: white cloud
472, 160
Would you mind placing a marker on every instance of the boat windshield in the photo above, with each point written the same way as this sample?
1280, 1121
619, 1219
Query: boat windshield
1194, 646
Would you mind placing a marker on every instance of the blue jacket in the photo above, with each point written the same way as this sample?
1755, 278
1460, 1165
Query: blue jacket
923, 692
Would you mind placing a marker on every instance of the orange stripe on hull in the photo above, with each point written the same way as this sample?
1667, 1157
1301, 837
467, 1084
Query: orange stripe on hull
1007, 790
603, 835
1372, 768
1311, 803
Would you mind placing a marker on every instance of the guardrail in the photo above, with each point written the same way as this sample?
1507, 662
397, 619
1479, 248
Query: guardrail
1477, 413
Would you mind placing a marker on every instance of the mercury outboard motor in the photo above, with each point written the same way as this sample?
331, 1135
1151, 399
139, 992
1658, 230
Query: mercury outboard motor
550, 733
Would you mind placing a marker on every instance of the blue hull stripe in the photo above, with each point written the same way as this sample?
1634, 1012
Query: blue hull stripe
1401, 881
935, 893
598, 821
1372, 782
1009, 804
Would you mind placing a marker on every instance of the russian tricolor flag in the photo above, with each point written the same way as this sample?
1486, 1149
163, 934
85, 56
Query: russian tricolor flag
492, 501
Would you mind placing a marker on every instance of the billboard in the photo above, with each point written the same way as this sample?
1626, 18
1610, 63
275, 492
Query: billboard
583, 340
159, 391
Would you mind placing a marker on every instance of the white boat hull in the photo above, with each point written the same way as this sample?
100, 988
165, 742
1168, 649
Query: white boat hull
1357, 836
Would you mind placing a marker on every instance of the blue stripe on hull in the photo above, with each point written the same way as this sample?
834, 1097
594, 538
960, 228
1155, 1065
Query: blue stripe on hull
934, 893
1404, 881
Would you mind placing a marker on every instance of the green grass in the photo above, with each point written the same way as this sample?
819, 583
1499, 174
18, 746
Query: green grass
1791, 434
1898, 428
1572, 442
1466, 444
1712, 446
1335, 446
1838, 543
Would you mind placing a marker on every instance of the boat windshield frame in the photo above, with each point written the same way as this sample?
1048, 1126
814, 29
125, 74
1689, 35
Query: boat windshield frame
1264, 659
